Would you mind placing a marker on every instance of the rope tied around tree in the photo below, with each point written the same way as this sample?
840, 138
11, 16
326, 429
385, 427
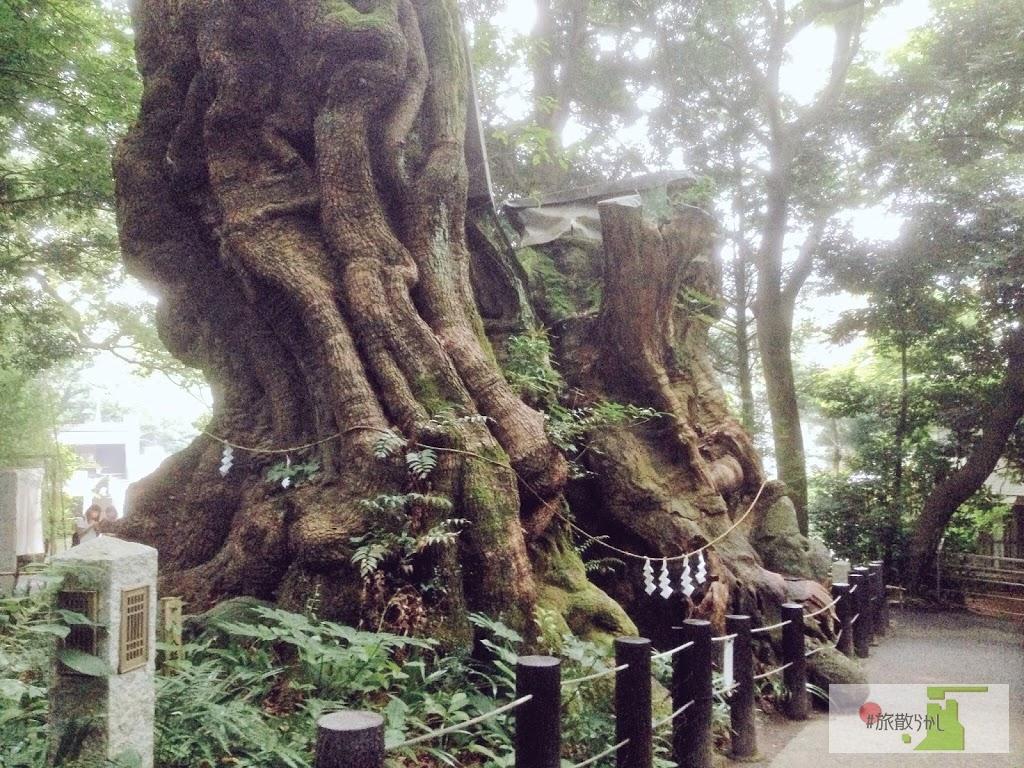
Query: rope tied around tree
672, 558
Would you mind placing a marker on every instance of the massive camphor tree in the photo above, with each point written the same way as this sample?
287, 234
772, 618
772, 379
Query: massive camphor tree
295, 191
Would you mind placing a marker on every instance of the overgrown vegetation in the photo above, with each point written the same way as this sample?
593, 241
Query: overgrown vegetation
529, 368
247, 691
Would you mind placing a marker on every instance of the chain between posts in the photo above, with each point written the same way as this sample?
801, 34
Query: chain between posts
774, 671
666, 720
672, 651
770, 627
537, 728
822, 609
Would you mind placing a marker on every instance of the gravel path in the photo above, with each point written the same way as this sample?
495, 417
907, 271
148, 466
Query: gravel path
921, 647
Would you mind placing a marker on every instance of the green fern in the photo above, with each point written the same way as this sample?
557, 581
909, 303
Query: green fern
388, 445
391, 540
421, 463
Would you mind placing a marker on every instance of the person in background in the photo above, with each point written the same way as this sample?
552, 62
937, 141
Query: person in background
109, 519
87, 528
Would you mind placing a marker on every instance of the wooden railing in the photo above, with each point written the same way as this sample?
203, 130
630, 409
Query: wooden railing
989, 583
355, 739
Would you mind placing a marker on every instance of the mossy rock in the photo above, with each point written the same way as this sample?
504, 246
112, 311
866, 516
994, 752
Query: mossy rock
820, 560
829, 668
566, 592
780, 544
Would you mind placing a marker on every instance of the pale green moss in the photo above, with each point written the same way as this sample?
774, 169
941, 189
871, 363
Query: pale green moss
564, 589
339, 11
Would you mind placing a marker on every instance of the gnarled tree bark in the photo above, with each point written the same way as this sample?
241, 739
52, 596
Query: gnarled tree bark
295, 192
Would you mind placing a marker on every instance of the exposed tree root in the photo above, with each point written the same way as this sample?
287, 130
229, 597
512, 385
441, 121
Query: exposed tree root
295, 192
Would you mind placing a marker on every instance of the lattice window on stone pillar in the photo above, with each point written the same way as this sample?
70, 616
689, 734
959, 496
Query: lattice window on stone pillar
81, 637
134, 629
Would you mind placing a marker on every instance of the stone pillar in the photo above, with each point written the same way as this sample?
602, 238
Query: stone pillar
8, 529
840, 571
118, 579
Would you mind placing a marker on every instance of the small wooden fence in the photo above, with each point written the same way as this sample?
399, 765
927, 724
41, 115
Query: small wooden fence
355, 739
990, 584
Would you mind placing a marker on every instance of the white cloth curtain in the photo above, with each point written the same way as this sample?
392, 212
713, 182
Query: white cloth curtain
29, 512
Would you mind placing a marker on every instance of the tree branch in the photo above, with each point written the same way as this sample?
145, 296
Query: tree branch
804, 263
808, 13
763, 84
848, 30
965, 481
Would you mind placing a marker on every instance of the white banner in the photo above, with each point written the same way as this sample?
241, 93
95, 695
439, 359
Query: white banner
727, 666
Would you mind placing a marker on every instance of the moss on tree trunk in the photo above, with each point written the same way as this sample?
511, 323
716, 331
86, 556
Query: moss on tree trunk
295, 193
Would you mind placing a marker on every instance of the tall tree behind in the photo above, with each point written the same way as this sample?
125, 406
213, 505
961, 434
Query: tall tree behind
723, 97
67, 90
583, 60
945, 128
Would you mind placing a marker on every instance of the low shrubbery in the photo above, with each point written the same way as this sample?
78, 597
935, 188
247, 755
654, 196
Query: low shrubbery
247, 692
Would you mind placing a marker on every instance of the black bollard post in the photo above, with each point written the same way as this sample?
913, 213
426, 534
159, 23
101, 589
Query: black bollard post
798, 705
350, 739
691, 681
861, 618
876, 602
844, 611
539, 721
882, 618
741, 701
870, 602
633, 702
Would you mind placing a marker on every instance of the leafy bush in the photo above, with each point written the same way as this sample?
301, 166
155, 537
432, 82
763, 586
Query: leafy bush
25, 649
247, 693
30, 626
529, 370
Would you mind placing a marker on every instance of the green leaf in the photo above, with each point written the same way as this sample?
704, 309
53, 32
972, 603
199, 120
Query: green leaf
84, 663
57, 630
74, 618
12, 689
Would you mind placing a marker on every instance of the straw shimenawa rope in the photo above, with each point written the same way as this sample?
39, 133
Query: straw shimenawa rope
672, 558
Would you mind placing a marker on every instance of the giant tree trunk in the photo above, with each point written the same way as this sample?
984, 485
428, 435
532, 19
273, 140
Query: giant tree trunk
295, 192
